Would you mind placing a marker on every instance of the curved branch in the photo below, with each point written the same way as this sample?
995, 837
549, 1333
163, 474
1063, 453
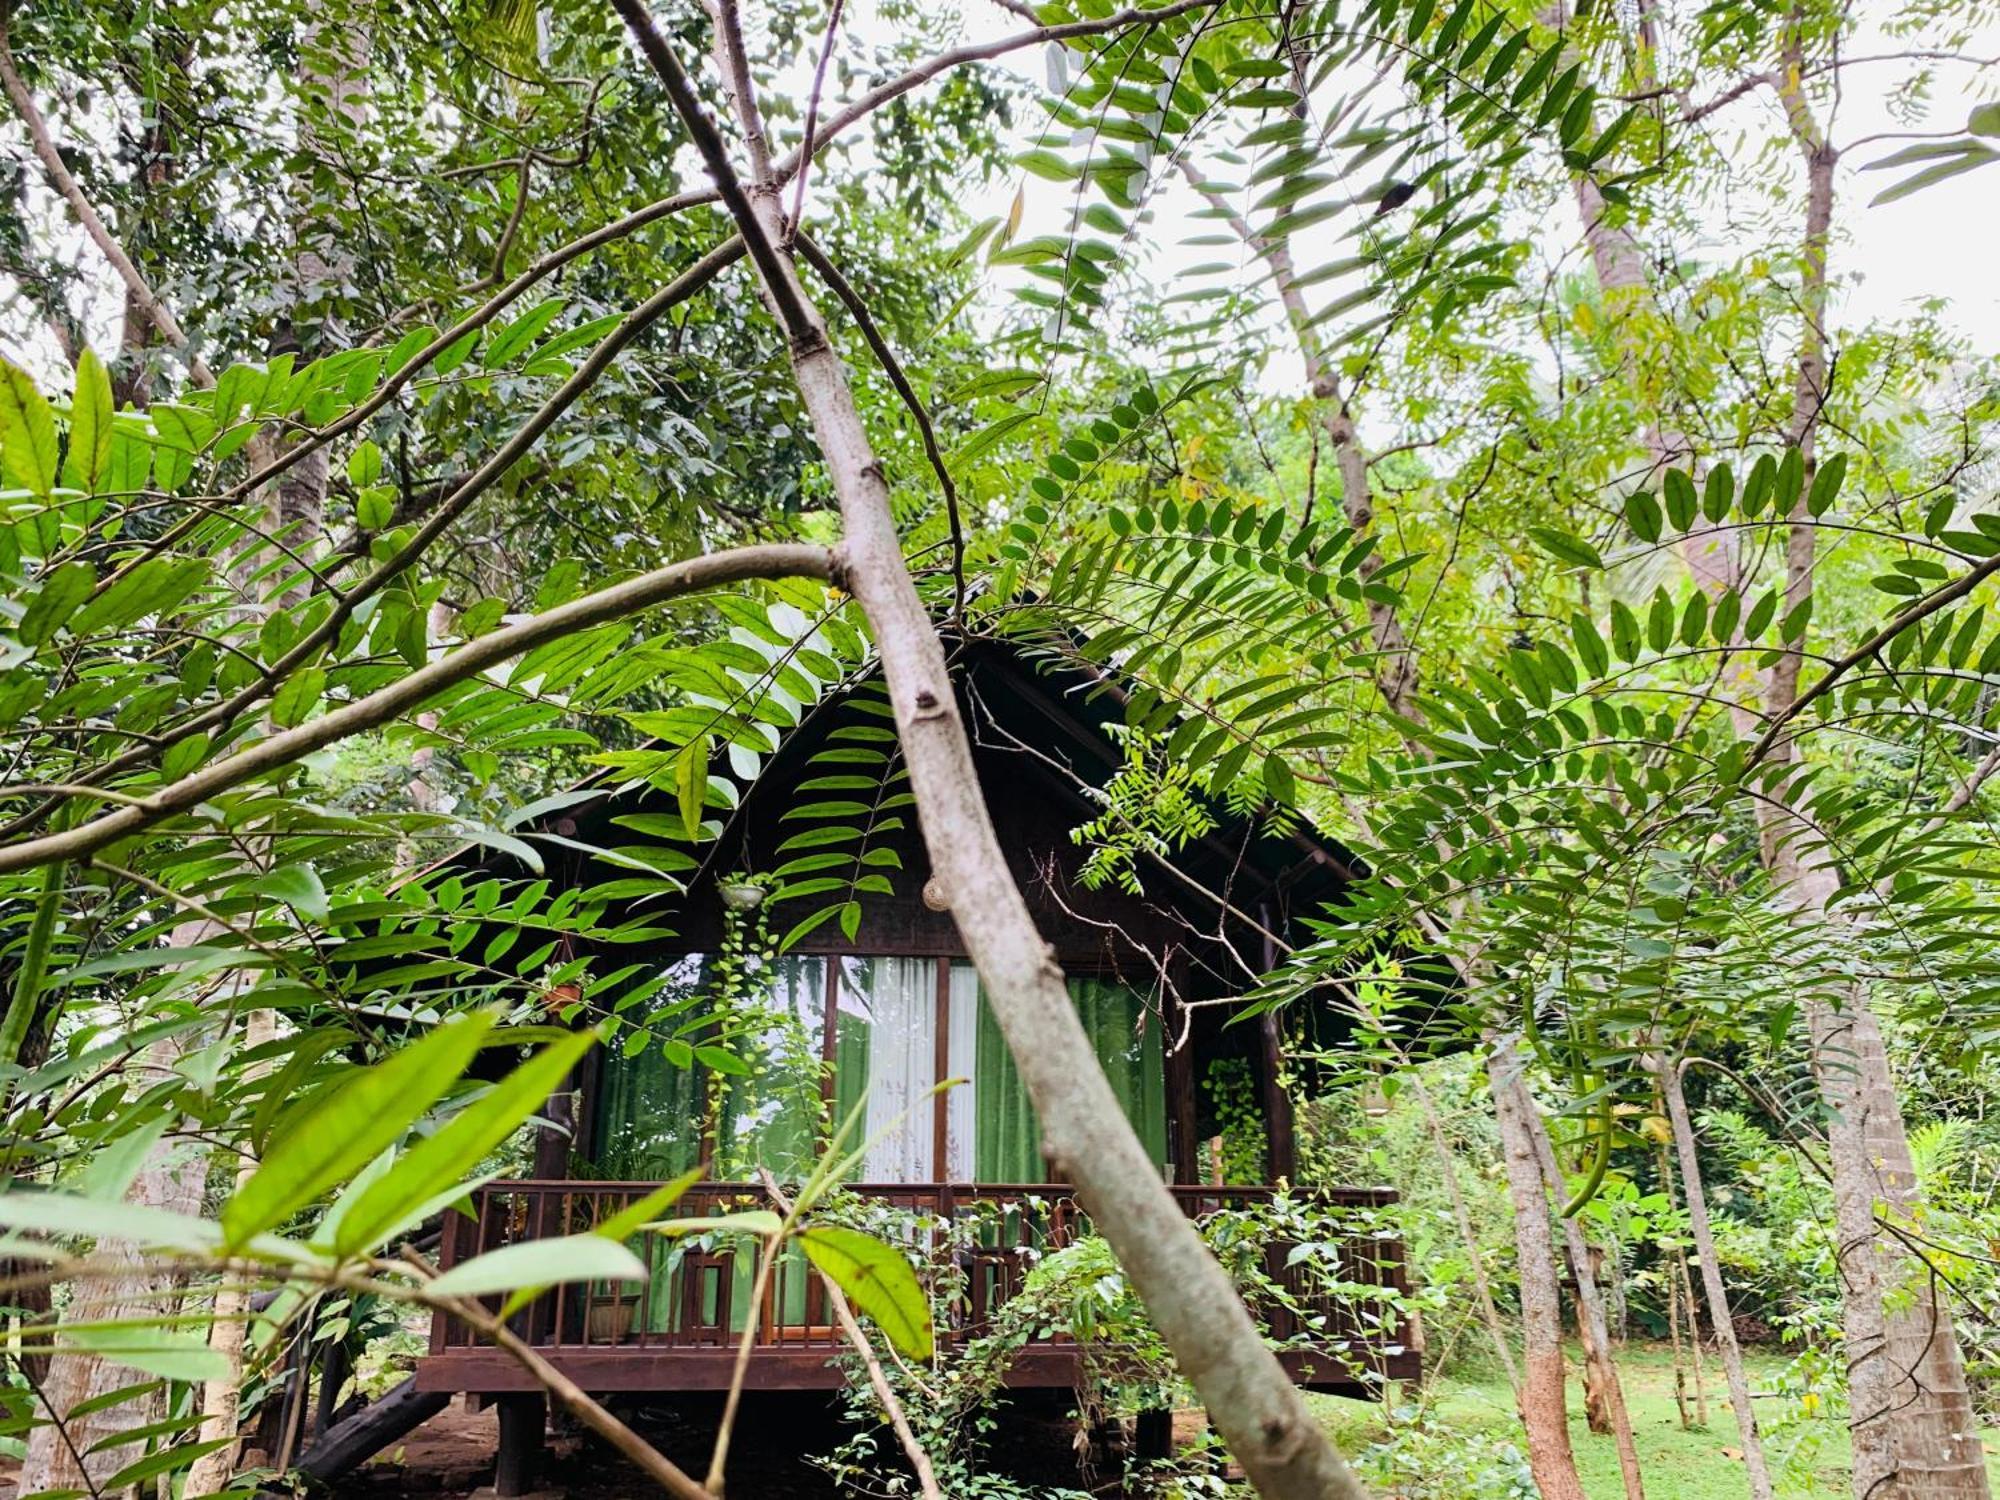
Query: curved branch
65, 183
774, 560
481, 479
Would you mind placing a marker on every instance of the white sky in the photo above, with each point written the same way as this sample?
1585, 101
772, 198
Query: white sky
1938, 243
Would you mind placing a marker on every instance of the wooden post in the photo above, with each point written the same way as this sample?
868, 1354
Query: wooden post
523, 1418
1185, 1148
1281, 1160
1153, 1434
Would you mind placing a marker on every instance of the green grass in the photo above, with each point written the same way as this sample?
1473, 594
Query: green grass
1809, 1457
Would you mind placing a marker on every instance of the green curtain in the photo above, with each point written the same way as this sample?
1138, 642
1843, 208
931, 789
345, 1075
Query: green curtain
1126, 1039
850, 1079
1007, 1141
649, 1108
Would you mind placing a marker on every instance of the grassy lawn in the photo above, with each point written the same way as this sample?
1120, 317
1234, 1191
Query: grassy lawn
1809, 1457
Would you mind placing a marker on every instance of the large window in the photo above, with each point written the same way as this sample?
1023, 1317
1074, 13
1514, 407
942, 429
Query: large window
758, 1077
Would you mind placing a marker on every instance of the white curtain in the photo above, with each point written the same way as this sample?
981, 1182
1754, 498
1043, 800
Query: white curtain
961, 1047
901, 999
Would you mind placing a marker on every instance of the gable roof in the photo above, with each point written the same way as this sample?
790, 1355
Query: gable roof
1042, 731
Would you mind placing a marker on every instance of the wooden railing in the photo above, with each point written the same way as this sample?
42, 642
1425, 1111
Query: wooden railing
696, 1296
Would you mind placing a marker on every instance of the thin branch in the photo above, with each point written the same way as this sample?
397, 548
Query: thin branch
65, 183
812, 117
877, 1378
772, 560
643, 1455
481, 479
843, 289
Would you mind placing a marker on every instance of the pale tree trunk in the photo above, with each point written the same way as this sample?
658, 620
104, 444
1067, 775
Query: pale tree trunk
1694, 1337
1544, 1406
1680, 1298
334, 89
1396, 673
1679, 1348
1711, 1277
221, 1397
1903, 1349
1249, 1398
1590, 1320
171, 1177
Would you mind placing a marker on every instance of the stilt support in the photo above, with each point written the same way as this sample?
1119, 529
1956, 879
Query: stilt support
523, 1424
1153, 1435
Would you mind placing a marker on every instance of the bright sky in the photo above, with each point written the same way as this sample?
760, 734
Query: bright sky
1934, 244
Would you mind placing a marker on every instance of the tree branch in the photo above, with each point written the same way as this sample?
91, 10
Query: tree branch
65, 183
1194, 1304
773, 560
484, 477
844, 289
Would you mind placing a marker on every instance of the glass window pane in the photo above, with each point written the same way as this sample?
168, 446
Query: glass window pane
650, 1102
1124, 1033
769, 1117
660, 1101
887, 1053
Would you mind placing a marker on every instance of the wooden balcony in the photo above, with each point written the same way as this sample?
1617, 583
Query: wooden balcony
680, 1332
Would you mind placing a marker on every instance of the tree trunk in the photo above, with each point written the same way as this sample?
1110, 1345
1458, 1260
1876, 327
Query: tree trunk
221, 1396
58, 1456
1544, 1408
1261, 1415
1903, 1349
1589, 1309
1711, 1277
1694, 1337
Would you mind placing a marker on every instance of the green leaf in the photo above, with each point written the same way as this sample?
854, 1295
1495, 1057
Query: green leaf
757, 1221
1589, 645
165, 1460
1826, 485
295, 700
364, 464
518, 334
1642, 514
1761, 613
1791, 479
148, 1228
691, 783
298, 886
151, 588
1566, 548
173, 1354
61, 593
879, 1280
1680, 497
1718, 494
636, 1215
1722, 622
569, 1257
1624, 632
28, 447
1660, 621
1278, 781
451, 1152
1047, 165
89, 456
342, 1133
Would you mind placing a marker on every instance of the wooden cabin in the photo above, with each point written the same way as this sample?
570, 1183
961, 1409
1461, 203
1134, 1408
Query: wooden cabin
882, 1010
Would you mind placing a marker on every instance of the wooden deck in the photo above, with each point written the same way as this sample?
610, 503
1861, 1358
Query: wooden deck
680, 1332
